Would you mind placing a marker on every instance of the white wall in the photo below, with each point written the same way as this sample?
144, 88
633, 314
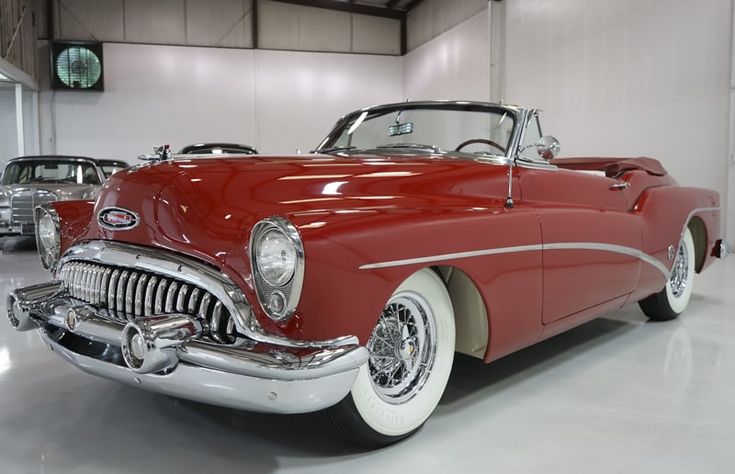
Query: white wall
8, 137
455, 65
628, 78
276, 100
431, 18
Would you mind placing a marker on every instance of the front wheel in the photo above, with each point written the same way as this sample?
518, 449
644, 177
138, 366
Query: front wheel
411, 355
670, 302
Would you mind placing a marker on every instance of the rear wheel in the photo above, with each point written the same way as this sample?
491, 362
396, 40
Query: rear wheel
670, 302
411, 354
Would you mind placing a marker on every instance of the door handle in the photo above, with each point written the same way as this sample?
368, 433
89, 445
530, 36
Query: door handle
620, 185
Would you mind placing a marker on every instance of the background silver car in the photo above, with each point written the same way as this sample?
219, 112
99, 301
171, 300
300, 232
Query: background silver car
29, 181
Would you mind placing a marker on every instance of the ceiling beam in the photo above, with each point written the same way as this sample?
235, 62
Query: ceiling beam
348, 7
413, 4
392, 4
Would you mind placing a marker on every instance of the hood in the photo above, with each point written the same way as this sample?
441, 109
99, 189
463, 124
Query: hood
205, 207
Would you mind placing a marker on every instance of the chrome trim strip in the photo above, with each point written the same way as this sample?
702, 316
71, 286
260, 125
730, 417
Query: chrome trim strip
451, 256
621, 249
527, 248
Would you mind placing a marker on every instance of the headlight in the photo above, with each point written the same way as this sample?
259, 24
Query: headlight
277, 259
275, 255
48, 236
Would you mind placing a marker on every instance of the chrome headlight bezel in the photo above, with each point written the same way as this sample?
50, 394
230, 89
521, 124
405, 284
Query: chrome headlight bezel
288, 292
48, 254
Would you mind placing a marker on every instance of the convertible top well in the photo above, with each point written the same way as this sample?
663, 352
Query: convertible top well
612, 167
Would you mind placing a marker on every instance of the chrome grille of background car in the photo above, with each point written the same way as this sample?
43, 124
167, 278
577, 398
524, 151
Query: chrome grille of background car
129, 294
23, 203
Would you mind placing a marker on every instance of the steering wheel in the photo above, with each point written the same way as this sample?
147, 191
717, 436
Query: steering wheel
480, 140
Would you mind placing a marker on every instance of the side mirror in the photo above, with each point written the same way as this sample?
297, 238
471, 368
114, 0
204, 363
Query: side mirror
547, 147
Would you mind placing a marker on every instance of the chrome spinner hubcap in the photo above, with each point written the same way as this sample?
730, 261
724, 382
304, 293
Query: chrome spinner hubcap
680, 271
402, 348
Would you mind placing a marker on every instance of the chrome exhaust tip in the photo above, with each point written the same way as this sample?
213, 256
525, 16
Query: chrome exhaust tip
19, 315
149, 345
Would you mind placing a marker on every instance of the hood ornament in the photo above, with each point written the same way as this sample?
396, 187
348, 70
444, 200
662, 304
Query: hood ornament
160, 153
117, 218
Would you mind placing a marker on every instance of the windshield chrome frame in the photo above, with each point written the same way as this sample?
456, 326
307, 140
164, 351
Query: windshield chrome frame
518, 114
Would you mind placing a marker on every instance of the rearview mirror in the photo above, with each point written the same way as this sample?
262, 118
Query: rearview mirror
547, 147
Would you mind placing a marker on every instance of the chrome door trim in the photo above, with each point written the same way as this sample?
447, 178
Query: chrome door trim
619, 249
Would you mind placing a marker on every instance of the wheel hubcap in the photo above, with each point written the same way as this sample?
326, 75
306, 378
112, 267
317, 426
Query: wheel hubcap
402, 348
680, 271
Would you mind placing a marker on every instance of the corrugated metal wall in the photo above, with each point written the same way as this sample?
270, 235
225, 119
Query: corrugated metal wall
223, 23
18, 35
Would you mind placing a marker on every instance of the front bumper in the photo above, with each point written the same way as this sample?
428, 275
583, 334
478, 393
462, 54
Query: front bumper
247, 375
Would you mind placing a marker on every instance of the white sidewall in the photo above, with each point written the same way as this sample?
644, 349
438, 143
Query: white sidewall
679, 304
397, 420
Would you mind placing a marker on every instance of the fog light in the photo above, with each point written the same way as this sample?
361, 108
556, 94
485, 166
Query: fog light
277, 303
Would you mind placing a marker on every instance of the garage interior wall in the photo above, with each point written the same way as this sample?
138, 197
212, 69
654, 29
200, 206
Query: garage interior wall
629, 79
278, 101
614, 78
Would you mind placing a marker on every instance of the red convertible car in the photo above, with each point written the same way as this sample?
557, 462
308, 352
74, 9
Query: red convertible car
345, 280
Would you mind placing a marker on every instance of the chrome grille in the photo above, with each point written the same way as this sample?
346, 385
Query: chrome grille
23, 204
128, 294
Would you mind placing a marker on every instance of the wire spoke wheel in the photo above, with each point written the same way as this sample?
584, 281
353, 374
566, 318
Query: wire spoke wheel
411, 350
402, 348
673, 299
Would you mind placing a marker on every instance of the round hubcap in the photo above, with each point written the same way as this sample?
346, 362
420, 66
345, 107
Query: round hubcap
402, 348
680, 271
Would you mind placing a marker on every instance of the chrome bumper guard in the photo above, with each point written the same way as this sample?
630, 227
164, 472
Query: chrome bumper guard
722, 249
162, 354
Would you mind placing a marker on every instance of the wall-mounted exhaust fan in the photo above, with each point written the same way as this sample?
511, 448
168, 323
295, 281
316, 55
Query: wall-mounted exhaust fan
77, 66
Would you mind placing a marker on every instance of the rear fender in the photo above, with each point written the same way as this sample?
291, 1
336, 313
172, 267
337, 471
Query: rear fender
666, 212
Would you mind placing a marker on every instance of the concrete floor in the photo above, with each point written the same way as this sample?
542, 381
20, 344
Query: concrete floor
617, 395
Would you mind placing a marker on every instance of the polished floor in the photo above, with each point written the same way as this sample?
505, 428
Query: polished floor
617, 395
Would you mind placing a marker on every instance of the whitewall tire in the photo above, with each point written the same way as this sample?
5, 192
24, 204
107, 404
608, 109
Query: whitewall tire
411, 356
670, 302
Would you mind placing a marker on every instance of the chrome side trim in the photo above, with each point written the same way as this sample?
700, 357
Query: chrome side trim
611, 248
527, 248
621, 249
451, 256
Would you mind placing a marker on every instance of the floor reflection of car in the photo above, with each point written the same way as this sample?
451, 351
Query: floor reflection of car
29, 181
218, 149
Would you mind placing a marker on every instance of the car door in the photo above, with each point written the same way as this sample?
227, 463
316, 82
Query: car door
589, 239
589, 235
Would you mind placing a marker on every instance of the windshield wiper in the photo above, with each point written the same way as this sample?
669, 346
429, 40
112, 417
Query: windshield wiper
420, 146
334, 149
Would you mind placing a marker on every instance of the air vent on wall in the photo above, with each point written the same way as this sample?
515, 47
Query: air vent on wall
77, 66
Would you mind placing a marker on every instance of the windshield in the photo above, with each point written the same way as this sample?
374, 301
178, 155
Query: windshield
478, 130
43, 171
109, 170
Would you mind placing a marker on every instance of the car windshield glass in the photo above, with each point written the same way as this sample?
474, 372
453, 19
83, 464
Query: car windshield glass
476, 130
43, 171
109, 170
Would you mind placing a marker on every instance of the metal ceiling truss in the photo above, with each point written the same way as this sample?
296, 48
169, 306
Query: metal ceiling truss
391, 9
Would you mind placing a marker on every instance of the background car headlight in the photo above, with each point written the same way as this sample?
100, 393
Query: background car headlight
277, 259
48, 236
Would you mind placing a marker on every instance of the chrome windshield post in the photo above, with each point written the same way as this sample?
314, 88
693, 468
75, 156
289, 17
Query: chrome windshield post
515, 148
